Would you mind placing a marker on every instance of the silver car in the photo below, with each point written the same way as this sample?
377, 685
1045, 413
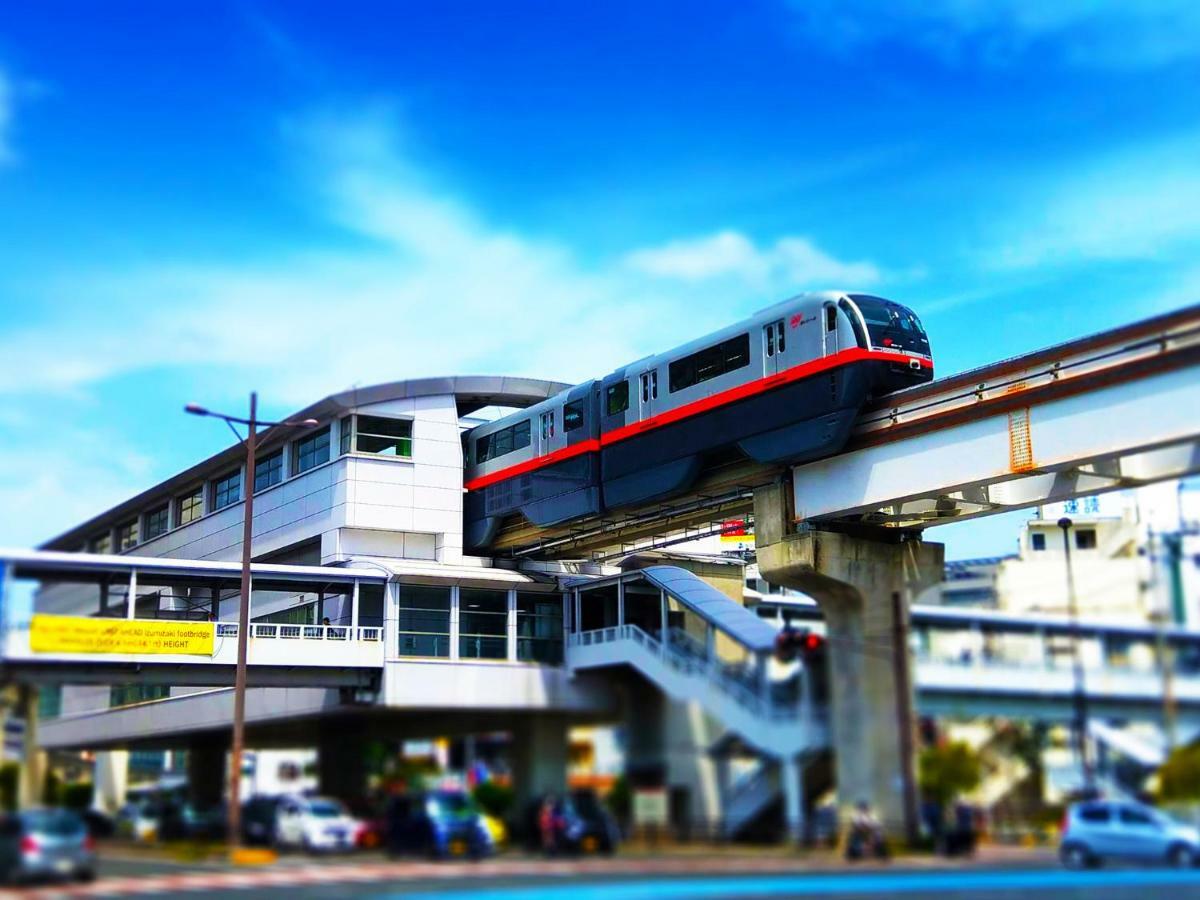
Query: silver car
1101, 830
46, 843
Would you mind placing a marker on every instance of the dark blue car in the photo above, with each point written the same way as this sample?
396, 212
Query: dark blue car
438, 824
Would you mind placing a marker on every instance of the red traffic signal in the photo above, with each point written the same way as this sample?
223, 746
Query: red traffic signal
790, 643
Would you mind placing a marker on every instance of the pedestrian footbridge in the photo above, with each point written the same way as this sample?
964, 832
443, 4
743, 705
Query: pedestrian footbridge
108, 619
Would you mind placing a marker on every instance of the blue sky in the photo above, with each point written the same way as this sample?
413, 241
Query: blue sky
197, 199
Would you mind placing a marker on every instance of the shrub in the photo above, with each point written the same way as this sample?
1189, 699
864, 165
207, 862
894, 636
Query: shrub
948, 770
1179, 776
77, 796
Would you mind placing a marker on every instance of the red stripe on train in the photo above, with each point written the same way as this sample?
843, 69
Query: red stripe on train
704, 404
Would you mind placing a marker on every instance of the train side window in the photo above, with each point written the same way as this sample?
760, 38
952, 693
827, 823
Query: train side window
502, 442
547, 425
831, 318
654, 385
771, 339
573, 416
860, 336
710, 362
779, 332
521, 436
618, 398
482, 449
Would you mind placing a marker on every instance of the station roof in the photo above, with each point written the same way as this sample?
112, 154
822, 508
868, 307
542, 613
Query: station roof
471, 393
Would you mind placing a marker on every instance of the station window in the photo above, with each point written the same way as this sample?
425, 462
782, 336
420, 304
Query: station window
1085, 539
482, 624
49, 701
711, 362
384, 437
127, 535
128, 694
268, 470
540, 628
617, 398
157, 521
573, 416
227, 490
424, 620
101, 543
345, 435
1037, 541
191, 507
311, 451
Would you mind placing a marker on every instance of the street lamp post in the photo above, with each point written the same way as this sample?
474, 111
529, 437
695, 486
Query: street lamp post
234, 812
1080, 693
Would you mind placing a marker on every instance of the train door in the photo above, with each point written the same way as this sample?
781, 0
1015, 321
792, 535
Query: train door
647, 394
546, 432
829, 327
774, 344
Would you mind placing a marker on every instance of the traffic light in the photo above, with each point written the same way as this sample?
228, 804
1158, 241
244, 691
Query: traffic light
791, 643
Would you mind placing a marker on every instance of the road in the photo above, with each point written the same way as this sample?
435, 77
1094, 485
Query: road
641, 878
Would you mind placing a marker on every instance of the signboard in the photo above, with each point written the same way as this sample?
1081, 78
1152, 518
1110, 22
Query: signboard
75, 634
650, 807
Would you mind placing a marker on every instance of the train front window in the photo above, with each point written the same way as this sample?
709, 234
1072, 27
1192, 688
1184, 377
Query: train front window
890, 325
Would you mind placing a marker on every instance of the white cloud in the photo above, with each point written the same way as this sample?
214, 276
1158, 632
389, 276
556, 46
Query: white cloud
789, 265
1085, 33
1141, 205
419, 284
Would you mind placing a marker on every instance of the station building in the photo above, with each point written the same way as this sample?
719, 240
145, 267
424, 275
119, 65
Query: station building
469, 645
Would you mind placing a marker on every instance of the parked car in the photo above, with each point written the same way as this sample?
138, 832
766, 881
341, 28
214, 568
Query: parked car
260, 822
579, 821
1098, 830
587, 827
185, 821
138, 819
437, 824
46, 843
315, 824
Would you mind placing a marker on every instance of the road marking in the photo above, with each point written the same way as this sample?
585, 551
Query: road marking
826, 884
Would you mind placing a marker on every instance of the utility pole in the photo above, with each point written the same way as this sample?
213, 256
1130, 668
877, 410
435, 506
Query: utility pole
233, 822
1080, 688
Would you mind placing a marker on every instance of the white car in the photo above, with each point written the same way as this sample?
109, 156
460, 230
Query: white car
315, 824
1101, 830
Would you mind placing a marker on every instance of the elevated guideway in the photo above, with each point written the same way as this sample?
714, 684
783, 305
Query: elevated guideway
1022, 431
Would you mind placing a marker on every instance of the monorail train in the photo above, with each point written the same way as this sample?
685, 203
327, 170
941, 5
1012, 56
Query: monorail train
781, 387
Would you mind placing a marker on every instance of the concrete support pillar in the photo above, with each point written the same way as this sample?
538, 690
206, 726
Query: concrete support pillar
864, 587
32, 783
792, 775
539, 758
342, 762
206, 765
110, 779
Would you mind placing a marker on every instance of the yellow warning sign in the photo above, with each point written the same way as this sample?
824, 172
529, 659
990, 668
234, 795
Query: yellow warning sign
75, 634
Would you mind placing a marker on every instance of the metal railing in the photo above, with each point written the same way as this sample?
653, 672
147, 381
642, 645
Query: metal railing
687, 656
276, 631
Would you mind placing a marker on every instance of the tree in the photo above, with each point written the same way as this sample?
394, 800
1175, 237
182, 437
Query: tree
1179, 776
948, 770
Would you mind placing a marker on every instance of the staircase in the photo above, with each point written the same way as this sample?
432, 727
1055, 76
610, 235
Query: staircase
683, 669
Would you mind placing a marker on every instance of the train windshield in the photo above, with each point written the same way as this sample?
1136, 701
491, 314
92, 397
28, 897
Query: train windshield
891, 325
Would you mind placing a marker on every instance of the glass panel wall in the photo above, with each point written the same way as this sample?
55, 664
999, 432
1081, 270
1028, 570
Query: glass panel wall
482, 624
539, 628
424, 620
